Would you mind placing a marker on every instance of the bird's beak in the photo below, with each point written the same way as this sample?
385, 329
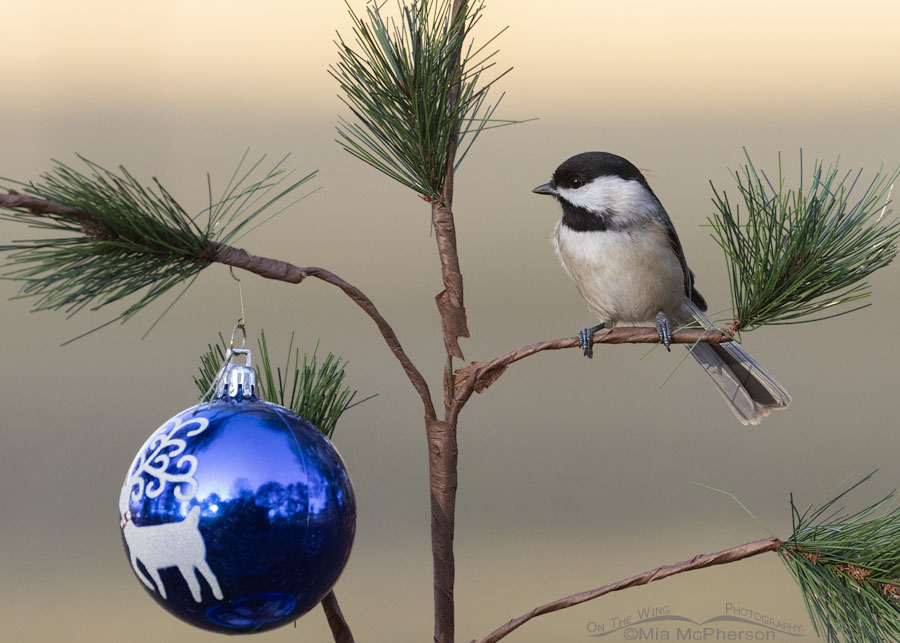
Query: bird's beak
547, 188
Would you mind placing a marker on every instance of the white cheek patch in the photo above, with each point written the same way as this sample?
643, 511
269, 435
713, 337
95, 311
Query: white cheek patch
627, 200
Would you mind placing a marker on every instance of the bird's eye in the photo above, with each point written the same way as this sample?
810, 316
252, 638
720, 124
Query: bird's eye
577, 183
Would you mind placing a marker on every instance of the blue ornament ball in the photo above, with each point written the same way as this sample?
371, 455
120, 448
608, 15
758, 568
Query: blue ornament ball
237, 516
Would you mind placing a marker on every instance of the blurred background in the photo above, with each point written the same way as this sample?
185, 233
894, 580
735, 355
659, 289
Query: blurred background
573, 473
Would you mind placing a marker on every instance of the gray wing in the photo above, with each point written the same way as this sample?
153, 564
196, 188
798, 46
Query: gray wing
675, 243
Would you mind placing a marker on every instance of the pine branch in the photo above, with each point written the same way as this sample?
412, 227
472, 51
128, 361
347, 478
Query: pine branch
113, 238
43, 212
697, 562
339, 628
799, 253
414, 88
284, 271
409, 90
22, 202
477, 376
848, 568
443, 450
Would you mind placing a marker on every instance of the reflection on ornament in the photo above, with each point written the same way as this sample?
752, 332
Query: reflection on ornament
237, 516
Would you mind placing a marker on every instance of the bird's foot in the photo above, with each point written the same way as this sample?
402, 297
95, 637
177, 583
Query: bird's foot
664, 328
586, 339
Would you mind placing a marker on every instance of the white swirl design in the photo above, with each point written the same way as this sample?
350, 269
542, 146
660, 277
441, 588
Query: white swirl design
156, 456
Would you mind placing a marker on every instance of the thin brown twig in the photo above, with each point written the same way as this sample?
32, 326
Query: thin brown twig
39, 206
477, 376
262, 266
336, 621
442, 440
284, 271
697, 562
450, 301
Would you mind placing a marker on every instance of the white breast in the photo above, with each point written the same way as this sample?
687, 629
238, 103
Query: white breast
624, 276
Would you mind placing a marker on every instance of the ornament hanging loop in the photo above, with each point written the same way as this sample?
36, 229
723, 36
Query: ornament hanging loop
238, 325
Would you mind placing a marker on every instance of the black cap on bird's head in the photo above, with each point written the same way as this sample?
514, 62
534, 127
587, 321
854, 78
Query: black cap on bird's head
583, 168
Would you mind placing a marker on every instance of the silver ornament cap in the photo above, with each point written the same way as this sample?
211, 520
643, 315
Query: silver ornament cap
238, 380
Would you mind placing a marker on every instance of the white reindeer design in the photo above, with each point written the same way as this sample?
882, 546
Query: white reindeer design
174, 544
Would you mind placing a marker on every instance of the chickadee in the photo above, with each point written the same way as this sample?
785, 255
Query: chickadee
616, 241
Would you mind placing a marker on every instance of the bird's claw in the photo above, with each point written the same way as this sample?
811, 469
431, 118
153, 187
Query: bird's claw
664, 328
586, 339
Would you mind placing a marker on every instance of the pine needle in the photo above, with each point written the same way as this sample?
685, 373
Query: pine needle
847, 565
398, 83
312, 391
798, 253
848, 568
131, 240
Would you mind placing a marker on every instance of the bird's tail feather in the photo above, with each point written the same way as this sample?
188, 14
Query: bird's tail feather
748, 388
